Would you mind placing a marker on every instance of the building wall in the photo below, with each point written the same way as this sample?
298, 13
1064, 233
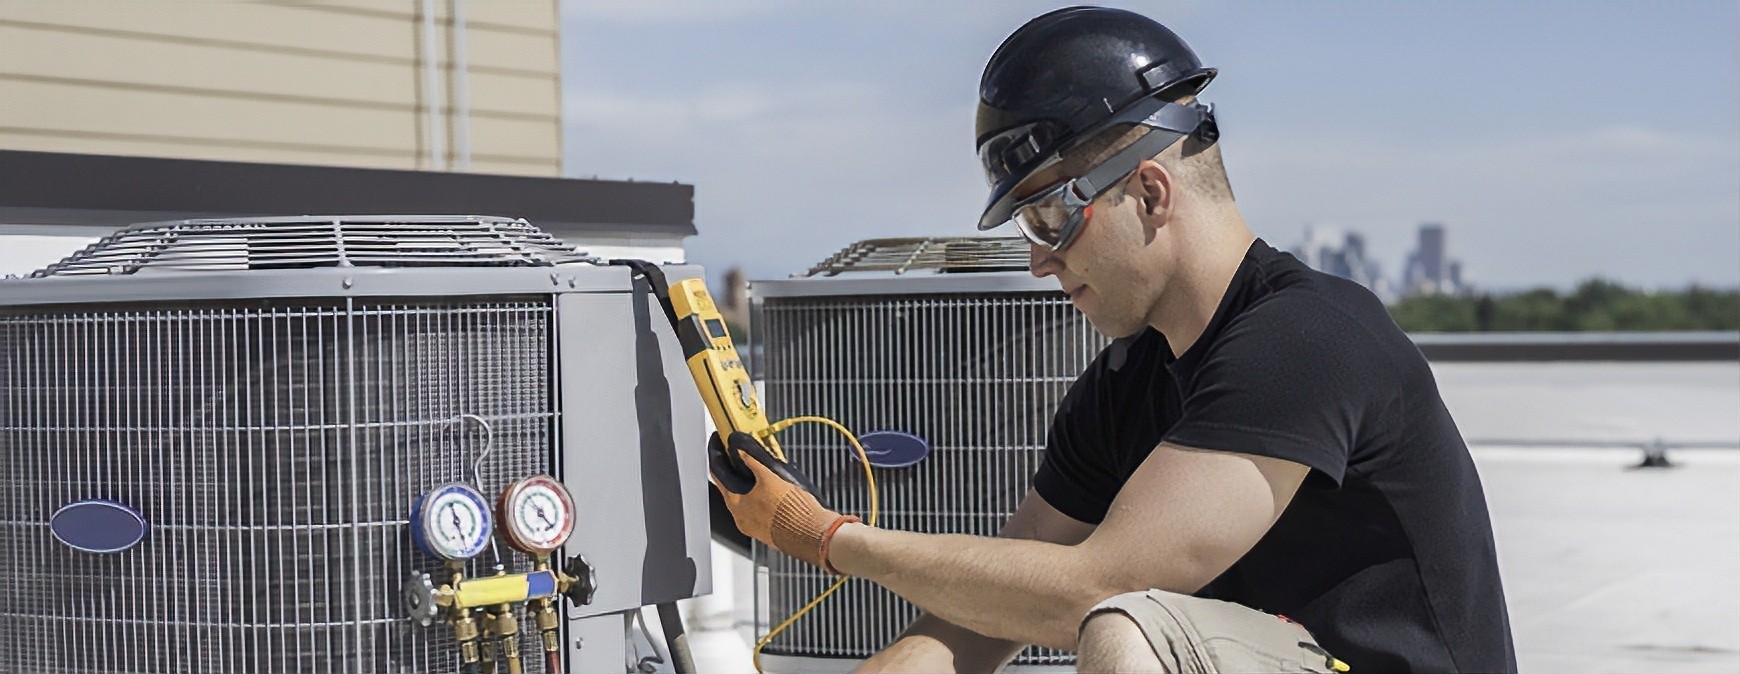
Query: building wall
340, 83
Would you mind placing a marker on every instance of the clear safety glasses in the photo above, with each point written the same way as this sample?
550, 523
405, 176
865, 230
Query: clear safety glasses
1053, 217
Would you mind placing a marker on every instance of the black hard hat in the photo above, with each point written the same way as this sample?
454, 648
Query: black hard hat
1065, 77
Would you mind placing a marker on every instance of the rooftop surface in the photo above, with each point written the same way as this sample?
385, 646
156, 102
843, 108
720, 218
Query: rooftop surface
1607, 568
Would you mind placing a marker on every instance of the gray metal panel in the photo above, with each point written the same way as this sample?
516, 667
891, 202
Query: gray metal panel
634, 440
60, 188
939, 284
597, 644
320, 282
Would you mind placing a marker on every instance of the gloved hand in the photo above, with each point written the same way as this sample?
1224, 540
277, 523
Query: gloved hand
771, 501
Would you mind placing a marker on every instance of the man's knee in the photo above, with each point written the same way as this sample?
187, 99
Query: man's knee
1158, 631
1112, 642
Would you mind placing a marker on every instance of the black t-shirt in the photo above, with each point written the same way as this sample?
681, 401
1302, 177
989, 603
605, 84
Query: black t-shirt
1386, 551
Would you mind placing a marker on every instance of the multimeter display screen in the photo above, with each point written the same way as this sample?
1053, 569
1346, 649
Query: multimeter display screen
717, 327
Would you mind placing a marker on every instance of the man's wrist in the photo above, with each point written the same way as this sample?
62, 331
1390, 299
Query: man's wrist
828, 540
846, 549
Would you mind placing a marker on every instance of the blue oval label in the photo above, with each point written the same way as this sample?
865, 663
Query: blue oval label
97, 526
894, 449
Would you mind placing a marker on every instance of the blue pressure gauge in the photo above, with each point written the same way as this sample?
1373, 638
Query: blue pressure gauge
452, 523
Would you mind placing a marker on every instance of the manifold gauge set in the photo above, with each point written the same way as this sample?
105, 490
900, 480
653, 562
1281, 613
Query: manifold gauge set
455, 523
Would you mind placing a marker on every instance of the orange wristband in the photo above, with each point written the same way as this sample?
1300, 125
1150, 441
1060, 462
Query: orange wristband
828, 539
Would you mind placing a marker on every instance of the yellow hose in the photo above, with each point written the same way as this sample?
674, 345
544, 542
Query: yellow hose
869, 479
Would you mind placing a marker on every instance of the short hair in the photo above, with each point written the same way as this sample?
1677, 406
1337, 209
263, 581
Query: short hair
1194, 162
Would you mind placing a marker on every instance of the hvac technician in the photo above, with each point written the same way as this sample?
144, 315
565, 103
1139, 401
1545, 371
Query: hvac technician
1259, 432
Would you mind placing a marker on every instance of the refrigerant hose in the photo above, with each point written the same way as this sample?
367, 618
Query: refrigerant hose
676, 641
875, 510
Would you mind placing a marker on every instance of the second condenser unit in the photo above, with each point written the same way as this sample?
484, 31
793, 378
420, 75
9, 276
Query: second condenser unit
951, 341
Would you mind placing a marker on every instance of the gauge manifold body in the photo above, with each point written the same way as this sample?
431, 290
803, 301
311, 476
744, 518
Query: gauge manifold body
536, 515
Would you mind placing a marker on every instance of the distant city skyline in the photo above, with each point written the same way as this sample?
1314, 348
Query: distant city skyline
1428, 270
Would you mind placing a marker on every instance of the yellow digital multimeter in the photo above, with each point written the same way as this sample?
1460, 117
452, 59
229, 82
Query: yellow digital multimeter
713, 360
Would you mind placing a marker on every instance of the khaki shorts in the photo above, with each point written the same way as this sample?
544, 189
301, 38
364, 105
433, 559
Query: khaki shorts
1192, 635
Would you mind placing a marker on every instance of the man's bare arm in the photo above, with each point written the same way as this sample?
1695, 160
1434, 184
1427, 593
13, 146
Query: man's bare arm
931, 644
1182, 519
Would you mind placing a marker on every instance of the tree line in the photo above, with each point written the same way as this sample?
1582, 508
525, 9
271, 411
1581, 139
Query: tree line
1594, 305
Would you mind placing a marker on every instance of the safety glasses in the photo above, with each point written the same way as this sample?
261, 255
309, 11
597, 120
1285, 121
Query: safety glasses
1054, 217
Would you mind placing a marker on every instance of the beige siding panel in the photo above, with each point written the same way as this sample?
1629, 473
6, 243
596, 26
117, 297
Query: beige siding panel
264, 25
182, 66
515, 169
109, 144
516, 139
524, 46
514, 95
508, 50
524, 14
91, 109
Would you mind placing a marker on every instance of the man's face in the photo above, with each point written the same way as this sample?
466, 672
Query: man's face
1108, 271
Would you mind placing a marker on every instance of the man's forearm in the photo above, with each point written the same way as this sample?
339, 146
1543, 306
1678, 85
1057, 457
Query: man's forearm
1018, 590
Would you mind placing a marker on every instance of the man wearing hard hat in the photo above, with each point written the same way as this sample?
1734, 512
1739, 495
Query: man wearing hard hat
1259, 441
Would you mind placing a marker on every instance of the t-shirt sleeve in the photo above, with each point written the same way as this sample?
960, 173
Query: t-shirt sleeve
1287, 382
1076, 476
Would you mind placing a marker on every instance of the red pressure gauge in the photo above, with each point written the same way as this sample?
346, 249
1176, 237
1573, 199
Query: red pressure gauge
536, 515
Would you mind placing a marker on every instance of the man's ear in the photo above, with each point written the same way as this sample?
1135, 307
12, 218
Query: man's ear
1154, 186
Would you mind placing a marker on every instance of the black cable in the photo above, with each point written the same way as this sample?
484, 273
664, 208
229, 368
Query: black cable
675, 640
655, 278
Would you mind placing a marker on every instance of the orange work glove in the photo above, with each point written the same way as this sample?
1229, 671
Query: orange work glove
771, 500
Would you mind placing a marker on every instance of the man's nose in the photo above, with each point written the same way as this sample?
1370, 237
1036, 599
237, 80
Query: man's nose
1041, 261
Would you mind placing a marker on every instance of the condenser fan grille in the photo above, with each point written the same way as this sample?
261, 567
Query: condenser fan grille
293, 243
275, 451
977, 375
933, 255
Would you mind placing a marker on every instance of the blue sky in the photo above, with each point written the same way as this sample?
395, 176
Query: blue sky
1555, 140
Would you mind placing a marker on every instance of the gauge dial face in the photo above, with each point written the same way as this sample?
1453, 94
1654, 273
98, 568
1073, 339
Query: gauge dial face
454, 521
537, 515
